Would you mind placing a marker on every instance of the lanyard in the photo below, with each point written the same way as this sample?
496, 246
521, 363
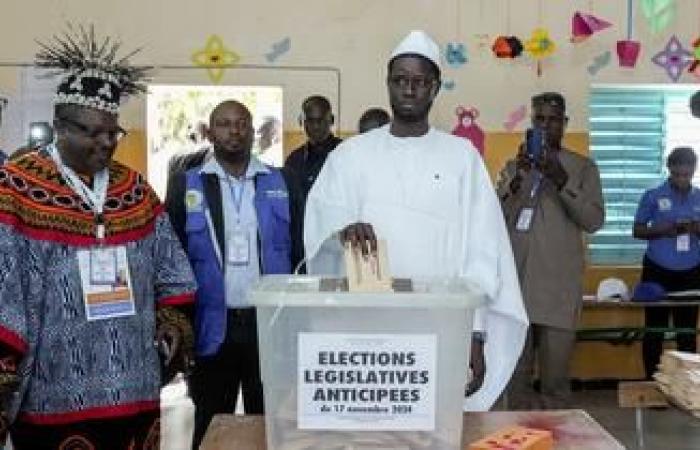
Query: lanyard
96, 198
536, 184
237, 199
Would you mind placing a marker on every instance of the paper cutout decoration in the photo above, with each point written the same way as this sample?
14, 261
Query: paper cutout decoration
584, 26
628, 49
467, 127
599, 62
540, 46
515, 117
215, 57
456, 54
628, 52
482, 40
659, 14
673, 58
507, 47
696, 58
448, 85
279, 48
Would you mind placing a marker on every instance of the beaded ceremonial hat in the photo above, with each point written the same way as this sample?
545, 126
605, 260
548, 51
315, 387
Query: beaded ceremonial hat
92, 73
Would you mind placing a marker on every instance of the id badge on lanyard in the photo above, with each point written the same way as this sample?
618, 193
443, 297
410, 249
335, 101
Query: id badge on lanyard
683, 243
103, 265
106, 283
524, 219
526, 214
238, 249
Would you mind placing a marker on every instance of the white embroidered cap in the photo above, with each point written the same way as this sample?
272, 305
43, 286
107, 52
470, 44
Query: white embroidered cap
418, 43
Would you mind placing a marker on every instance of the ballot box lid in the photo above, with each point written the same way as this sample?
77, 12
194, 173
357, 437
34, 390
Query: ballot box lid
314, 291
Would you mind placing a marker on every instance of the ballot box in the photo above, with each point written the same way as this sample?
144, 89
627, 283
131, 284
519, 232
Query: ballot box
364, 371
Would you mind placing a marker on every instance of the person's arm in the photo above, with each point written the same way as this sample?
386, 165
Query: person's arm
583, 200
645, 227
14, 343
647, 231
174, 295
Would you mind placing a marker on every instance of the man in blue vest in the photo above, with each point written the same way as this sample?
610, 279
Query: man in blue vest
237, 219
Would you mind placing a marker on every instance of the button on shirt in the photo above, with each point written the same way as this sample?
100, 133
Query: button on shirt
238, 278
666, 205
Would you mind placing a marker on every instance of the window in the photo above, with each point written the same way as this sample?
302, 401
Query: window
632, 129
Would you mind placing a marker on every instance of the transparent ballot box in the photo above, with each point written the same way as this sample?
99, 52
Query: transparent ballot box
361, 371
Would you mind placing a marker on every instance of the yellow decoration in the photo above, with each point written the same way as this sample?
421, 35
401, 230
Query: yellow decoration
215, 57
540, 45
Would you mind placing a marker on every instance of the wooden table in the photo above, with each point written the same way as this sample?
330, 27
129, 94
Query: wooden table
609, 346
572, 429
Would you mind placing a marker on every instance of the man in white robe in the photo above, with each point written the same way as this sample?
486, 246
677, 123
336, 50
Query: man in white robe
428, 194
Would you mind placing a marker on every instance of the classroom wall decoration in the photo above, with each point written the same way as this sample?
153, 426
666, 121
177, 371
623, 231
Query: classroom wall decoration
540, 46
599, 62
215, 57
674, 58
515, 117
507, 47
467, 127
628, 49
455, 54
585, 25
693, 68
278, 49
659, 14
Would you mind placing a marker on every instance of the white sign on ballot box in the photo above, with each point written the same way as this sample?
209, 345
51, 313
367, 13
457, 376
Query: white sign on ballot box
366, 381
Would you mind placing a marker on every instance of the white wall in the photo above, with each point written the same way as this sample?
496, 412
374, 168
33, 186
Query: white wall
356, 36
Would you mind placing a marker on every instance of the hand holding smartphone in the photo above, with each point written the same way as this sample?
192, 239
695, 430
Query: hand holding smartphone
534, 145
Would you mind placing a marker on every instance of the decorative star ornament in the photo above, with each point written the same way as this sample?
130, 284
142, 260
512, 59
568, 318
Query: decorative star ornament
215, 57
674, 59
540, 46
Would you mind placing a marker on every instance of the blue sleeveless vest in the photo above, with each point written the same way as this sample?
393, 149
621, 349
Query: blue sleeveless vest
274, 241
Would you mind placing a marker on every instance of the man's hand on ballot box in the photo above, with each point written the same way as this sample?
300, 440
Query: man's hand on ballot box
360, 235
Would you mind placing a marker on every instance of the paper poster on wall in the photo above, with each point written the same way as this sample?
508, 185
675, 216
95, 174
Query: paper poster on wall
178, 116
380, 382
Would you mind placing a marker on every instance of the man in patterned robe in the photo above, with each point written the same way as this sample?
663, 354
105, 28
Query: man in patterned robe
88, 265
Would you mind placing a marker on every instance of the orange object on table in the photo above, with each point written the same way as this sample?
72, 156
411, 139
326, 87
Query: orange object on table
515, 438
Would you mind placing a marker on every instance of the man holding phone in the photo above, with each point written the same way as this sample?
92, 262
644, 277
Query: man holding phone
550, 197
667, 218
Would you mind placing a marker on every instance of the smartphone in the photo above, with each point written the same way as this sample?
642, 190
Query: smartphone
534, 143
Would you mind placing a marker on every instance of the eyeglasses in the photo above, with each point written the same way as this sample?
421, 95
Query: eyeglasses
404, 81
114, 134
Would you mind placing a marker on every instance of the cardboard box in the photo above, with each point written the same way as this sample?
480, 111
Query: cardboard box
516, 438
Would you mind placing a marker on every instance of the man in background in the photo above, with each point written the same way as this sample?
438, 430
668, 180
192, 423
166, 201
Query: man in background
668, 218
551, 196
236, 218
373, 118
307, 160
